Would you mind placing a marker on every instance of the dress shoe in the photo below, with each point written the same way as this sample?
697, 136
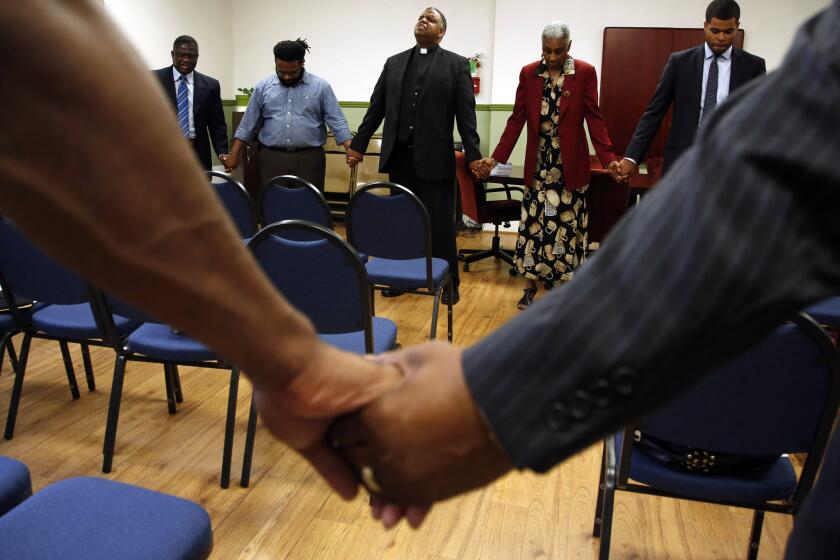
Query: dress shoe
391, 292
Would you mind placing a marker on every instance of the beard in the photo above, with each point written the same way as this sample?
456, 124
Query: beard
291, 83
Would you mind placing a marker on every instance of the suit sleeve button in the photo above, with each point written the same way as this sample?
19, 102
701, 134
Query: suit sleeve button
624, 381
555, 416
601, 393
579, 405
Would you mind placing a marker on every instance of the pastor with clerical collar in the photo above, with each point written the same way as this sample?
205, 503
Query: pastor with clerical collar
421, 93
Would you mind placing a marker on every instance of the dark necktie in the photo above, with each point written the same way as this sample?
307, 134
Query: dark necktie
184, 106
710, 100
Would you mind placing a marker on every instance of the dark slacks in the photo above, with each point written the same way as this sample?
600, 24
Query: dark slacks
306, 163
816, 528
439, 199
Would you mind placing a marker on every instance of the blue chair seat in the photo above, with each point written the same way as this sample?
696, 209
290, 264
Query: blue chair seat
75, 322
408, 273
776, 483
384, 338
156, 340
7, 320
95, 518
15, 485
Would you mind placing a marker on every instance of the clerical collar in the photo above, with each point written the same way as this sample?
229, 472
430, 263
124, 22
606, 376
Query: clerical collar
426, 50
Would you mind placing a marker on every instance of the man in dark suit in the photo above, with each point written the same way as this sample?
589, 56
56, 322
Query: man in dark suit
694, 81
196, 99
685, 281
420, 94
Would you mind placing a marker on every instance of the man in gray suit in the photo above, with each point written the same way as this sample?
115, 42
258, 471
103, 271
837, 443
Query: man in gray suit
694, 82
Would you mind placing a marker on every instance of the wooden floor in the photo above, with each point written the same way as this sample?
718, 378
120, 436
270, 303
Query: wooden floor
289, 513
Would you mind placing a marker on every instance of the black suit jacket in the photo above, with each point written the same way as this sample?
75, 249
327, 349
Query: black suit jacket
208, 115
681, 84
446, 96
713, 259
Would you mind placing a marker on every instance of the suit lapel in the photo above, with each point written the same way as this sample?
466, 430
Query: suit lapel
696, 61
397, 81
198, 93
170, 87
735, 74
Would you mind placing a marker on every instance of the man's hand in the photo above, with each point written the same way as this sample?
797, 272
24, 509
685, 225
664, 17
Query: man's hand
626, 168
615, 172
424, 441
354, 157
334, 383
231, 161
478, 169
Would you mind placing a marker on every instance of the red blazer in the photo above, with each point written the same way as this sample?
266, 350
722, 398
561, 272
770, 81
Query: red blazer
580, 103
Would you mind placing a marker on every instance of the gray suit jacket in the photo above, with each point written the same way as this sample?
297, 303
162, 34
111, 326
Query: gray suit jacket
681, 84
743, 232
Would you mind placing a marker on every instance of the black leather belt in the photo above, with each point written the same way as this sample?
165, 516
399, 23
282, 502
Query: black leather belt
300, 149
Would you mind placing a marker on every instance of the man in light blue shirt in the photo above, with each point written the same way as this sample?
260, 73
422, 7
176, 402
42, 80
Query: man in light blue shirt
289, 113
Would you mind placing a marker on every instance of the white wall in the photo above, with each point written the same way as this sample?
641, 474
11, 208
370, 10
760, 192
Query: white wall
351, 40
152, 25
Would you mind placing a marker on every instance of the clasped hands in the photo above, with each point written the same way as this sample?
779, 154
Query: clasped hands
403, 424
619, 170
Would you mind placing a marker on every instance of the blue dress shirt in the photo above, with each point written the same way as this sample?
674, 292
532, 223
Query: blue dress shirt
293, 117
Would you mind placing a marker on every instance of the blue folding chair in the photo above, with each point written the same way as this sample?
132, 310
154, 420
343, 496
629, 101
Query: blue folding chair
779, 397
325, 280
394, 231
100, 519
27, 272
236, 200
287, 197
155, 342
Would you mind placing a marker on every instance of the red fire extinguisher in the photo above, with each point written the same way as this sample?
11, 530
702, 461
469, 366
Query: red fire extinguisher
475, 64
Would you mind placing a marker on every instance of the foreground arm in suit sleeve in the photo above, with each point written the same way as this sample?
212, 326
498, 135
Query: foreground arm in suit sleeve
739, 235
216, 120
654, 113
148, 233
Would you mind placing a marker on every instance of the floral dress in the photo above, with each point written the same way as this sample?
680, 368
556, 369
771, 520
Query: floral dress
553, 225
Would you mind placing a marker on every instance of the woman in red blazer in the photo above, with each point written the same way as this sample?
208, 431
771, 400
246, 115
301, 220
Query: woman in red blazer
554, 96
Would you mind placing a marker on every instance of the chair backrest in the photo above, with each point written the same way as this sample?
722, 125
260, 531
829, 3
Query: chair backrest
771, 399
390, 223
236, 200
28, 272
287, 197
323, 277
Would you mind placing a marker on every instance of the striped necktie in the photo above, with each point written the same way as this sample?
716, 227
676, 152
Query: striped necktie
710, 100
184, 106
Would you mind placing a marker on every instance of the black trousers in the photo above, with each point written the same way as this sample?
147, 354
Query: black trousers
439, 199
306, 163
816, 528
